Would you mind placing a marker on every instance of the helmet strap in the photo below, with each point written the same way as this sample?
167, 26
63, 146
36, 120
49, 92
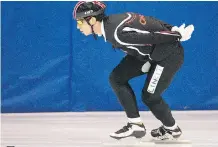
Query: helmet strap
94, 35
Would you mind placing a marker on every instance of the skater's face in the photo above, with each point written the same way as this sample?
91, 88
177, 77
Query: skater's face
84, 27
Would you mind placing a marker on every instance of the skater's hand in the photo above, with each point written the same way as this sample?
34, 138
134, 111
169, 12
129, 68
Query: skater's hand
185, 32
146, 67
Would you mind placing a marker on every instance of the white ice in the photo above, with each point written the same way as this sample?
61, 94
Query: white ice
92, 129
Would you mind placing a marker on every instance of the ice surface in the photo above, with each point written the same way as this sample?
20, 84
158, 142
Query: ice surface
92, 129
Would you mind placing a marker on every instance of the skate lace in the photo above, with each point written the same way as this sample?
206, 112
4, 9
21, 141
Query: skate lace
160, 130
125, 128
163, 133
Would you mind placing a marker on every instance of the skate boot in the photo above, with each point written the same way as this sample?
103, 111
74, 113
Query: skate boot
162, 133
131, 129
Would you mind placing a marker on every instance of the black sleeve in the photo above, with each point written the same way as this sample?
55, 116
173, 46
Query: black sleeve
134, 36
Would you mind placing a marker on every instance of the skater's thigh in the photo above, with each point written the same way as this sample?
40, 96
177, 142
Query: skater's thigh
161, 75
128, 68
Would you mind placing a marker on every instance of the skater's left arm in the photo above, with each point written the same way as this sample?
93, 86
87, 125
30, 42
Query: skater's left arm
134, 36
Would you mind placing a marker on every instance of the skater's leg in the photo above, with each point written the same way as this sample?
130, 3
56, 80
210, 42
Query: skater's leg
127, 69
158, 80
151, 95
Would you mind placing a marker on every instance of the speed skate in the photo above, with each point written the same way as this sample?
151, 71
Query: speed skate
167, 141
146, 141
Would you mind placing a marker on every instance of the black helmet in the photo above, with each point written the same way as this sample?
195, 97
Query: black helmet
84, 9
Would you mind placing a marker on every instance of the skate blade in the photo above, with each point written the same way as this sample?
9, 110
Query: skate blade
178, 141
129, 141
129, 144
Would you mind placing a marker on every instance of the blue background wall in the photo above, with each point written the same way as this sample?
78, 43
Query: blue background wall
48, 65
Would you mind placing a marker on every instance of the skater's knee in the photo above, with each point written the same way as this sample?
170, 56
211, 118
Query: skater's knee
150, 98
113, 78
116, 79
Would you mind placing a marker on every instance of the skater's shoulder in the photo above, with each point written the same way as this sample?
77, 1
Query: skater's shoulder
114, 19
128, 16
124, 15
117, 16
